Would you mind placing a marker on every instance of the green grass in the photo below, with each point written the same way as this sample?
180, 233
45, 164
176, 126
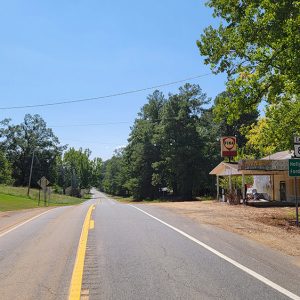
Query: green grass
121, 199
9, 202
14, 198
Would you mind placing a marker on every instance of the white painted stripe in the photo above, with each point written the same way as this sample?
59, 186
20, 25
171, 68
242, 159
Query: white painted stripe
23, 223
228, 259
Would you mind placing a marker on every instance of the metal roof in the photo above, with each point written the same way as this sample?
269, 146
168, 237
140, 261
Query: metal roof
225, 169
287, 154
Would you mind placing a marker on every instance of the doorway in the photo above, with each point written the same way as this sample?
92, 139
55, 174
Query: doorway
282, 191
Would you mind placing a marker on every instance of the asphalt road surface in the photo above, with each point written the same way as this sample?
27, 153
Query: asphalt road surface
103, 249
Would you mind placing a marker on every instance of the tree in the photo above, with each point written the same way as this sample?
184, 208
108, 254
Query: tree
19, 142
233, 127
78, 168
5, 169
142, 151
114, 177
97, 165
276, 130
210, 132
173, 143
258, 46
180, 142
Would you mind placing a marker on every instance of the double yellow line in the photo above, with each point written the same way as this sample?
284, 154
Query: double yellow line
76, 281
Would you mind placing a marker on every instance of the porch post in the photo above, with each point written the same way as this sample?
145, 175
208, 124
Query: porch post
218, 185
273, 187
230, 183
243, 187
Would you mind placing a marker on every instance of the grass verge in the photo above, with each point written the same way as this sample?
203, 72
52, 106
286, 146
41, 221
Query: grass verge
121, 199
132, 200
15, 198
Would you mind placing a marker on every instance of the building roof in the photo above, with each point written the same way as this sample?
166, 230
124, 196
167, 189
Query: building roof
225, 168
287, 154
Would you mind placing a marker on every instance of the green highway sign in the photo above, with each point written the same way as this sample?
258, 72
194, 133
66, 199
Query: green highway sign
294, 167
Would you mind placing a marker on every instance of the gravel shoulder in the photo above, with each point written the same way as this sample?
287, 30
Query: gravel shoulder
273, 227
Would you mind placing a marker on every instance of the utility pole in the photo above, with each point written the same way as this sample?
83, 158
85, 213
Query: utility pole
30, 175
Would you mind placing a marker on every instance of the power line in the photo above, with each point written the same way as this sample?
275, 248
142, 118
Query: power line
105, 96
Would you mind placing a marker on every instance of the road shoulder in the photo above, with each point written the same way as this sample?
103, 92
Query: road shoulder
249, 222
10, 219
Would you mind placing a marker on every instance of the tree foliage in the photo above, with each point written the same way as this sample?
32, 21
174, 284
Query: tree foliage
233, 127
33, 141
172, 145
77, 170
5, 169
276, 130
31, 137
96, 166
113, 175
180, 142
257, 44
143, 151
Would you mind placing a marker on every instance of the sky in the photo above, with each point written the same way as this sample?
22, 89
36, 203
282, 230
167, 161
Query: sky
54, 51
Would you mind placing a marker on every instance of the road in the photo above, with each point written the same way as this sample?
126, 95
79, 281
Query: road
103, 249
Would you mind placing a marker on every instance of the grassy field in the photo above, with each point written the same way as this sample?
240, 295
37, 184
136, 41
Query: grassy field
14, 198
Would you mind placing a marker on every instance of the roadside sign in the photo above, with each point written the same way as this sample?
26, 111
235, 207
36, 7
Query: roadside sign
228, 146
294, 171
294, 167
296, 139
297, 151
43, 182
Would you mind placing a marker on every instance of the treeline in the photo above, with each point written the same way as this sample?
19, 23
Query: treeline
75, 170
32, 142
173, 145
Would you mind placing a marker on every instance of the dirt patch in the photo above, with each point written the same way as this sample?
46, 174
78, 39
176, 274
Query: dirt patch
274, 227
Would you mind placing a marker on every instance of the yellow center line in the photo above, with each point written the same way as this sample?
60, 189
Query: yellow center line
76, 281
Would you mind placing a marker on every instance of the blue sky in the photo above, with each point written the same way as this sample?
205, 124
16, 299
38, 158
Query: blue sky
63, 50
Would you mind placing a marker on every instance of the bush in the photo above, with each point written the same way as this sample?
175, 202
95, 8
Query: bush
233, 198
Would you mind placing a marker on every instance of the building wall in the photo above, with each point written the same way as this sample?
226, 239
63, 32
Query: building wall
264, 184
289, 182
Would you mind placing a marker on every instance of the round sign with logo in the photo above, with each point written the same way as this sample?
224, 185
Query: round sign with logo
228, 146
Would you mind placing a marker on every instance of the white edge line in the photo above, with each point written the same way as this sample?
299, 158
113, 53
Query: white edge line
233, 262
23, 223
